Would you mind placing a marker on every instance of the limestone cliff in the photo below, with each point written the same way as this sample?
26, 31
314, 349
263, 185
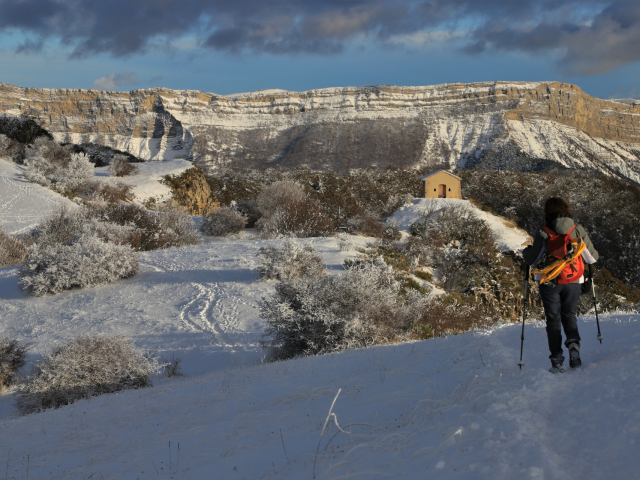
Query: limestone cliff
513, 125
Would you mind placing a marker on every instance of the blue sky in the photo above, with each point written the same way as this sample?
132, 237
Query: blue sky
245, 45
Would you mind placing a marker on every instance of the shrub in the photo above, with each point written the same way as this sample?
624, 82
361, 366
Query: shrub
418, 251
299, 218
224, 221
49, 163
168, 227
87, 261
290, 261
445, 315
274, 196
121, 167
250, 210
426, 276
391, 232
85, 367
176, 228
78, 171
22, 130
109, 191
12, 250
366, 225
12, 359
61, 226
314, 315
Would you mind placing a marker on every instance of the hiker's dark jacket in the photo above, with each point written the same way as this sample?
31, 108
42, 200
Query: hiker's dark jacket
560, 223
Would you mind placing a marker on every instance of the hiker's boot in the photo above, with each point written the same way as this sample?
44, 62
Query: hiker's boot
574, 355
556, 365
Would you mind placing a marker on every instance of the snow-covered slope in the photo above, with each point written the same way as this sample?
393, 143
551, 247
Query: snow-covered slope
147, 182
23, 204
455, 407
508, 237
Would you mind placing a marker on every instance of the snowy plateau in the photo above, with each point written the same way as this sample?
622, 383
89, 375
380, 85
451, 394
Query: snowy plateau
452, 407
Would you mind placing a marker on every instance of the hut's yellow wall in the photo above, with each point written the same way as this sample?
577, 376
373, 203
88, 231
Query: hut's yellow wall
442, 178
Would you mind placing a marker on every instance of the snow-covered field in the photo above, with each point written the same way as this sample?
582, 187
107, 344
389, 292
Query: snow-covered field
444, 408
24, 204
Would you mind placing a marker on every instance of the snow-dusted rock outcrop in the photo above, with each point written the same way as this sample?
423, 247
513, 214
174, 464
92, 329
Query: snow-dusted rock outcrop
513, 125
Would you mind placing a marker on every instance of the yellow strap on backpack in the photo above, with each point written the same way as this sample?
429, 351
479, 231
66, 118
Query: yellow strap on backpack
551, 271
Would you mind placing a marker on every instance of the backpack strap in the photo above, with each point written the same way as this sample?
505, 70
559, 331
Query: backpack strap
553, 234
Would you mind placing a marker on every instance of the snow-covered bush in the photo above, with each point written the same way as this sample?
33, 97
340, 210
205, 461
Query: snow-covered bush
391, 232
85, 261
292, 260
85, 367
4, 145
161, 229
109, 191
61, 226
275, 195
418, 251
12, 250
299, 218
50, 163
366, 225
122, 167
176, 227
78, 171
224, 221
12, 359
314, 315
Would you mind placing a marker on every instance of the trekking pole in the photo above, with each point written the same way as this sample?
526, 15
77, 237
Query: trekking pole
595, 307
524, 313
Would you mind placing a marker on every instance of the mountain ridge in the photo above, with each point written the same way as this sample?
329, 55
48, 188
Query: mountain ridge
485, 124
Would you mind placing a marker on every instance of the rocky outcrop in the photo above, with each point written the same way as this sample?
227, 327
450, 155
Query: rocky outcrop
191, 190
479, 124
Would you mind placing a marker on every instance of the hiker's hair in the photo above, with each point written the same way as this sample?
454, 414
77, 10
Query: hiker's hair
556, 204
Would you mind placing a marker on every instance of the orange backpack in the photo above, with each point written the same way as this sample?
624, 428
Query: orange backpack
564, 258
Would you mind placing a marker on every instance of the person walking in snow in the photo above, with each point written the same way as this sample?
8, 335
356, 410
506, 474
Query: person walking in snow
560, 297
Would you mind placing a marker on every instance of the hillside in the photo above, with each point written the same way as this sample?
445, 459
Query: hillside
506, 125
442, 407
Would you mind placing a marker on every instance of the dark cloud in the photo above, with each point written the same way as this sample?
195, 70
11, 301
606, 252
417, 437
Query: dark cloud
588, 36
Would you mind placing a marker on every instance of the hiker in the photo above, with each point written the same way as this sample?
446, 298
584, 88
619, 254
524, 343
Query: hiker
560, 295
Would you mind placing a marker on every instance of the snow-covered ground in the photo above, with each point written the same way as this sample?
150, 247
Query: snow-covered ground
507, 235
146, 183
445, 408
24, 204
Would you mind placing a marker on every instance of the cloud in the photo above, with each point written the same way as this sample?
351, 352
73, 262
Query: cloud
585, 36
115, 80
626, 92
156, 79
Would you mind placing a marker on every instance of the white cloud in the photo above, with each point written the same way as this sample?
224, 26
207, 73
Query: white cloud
115, 80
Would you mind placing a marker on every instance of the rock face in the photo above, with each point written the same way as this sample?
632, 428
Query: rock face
519, 126
191, 190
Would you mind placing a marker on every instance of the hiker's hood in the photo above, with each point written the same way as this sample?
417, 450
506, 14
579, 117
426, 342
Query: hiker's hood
561, 223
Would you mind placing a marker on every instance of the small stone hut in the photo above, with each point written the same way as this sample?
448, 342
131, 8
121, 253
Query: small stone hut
441, 184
